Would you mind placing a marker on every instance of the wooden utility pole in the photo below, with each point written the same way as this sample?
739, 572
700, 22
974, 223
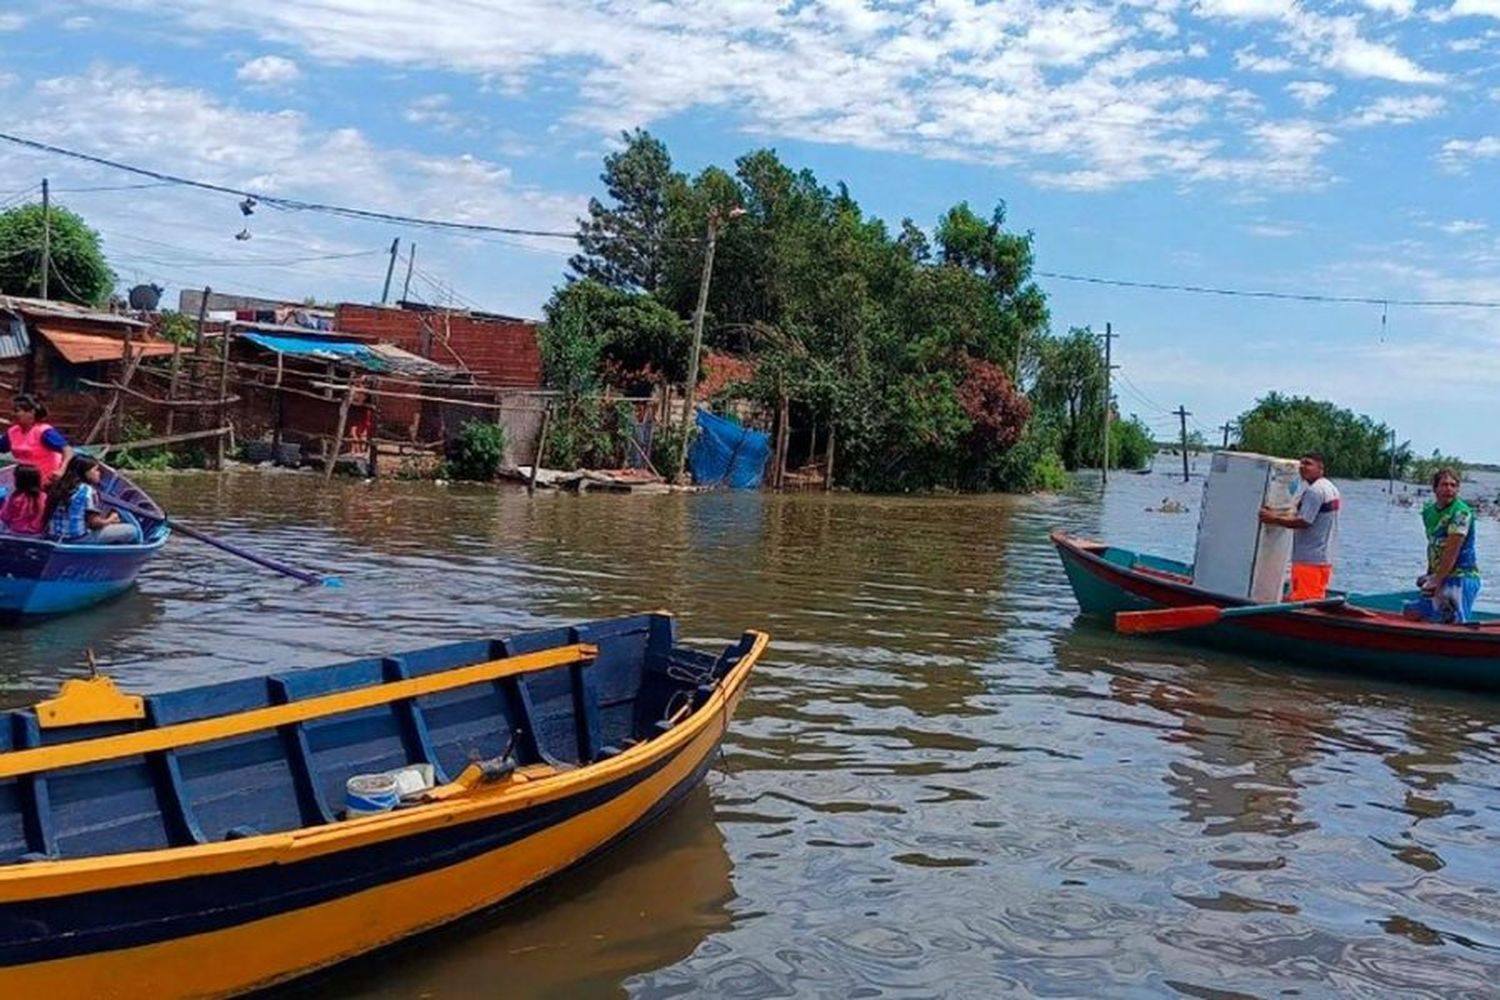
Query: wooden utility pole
1109, 335
1390, 486
46, 235
692, 379
411, 260
390, 269
223, 395
177, 362
1182, 415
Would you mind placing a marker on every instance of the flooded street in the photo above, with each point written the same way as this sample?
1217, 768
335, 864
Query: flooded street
939, 784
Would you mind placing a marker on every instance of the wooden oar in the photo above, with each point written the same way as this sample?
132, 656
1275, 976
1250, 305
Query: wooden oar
1199, 615
223, 546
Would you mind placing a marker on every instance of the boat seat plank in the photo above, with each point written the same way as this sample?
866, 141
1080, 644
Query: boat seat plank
624, 650
413, 722
245, 781
313, 806
209, 730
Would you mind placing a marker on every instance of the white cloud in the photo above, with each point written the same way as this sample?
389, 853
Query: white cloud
1481, 8
130, 116
79, 22
1089, 93
1272, 230
1466, 45
1400, 8
1463, 227
434, 110
1249, 60
269, 71
1457, 154
12, 22
1310, 93
1396, 111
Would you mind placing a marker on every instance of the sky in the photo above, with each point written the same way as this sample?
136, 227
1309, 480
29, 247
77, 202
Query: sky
1329, 149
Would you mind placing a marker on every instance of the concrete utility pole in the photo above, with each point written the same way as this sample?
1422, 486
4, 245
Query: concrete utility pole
1109, 335
1226, 428
692, 379
46, 235
390, 269
411, 259
1182, 415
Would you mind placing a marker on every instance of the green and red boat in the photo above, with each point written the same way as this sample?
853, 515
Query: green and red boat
1356, 633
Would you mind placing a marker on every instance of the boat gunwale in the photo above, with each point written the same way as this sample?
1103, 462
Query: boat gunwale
20, 882
1388, 622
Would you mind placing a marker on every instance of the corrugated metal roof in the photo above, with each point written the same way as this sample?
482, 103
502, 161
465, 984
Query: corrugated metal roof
15, 342
85, 348
34, 308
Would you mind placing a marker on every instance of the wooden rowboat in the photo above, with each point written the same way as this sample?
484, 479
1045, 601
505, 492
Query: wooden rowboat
40, 577
194, 843
1366, 635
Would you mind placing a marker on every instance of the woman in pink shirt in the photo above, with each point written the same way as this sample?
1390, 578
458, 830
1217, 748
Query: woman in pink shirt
24, 511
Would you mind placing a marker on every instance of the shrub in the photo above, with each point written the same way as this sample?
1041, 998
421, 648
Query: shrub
478, 453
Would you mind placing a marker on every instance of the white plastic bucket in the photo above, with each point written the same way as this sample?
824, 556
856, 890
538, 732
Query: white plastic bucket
368, 794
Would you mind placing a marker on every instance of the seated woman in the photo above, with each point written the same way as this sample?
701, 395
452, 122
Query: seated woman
74, 513
30, 439
1451, 582
24, 511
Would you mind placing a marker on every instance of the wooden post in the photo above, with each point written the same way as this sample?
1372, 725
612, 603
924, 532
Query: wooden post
1182, 415
1109, 336
109, 408
338, 434
119, 418
783, 437
46, 235
828, 463
223, 394
177, 361
541, 449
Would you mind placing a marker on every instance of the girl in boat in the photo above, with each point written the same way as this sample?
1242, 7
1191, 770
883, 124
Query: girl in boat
73, 511
1451, 582
30, 439
24, 511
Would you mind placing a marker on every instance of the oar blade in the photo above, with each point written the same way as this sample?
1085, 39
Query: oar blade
1167, 619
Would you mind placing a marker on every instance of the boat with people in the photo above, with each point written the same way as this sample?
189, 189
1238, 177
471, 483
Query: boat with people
234, 836
1361, 633
41, 576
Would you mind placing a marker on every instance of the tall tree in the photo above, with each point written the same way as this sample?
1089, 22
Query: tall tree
1070, 383
1004, 260
79, 272
623, 244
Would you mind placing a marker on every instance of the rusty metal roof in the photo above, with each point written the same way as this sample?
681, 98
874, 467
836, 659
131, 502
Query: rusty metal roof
87, 348
44, 308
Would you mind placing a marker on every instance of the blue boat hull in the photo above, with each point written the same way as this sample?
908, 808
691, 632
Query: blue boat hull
40, 578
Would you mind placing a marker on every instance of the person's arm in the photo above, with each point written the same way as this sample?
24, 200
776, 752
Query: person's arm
1270, 515
54, 439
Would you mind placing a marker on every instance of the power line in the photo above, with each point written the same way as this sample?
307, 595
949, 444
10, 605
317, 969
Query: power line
1368, 300
298, 205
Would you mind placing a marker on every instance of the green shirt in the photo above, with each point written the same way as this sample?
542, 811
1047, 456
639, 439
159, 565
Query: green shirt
1455, 519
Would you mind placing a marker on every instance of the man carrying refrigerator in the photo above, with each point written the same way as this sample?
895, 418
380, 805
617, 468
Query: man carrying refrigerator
1315, 523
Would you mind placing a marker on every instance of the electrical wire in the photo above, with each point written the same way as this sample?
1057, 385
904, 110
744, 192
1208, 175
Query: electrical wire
1368, 300
298, 205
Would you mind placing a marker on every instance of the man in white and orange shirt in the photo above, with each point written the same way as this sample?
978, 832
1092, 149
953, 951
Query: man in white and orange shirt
1315, 521
31, 441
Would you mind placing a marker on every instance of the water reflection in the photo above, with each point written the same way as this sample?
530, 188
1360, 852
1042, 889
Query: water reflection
939, 783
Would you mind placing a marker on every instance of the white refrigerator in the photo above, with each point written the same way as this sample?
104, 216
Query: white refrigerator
1236, 555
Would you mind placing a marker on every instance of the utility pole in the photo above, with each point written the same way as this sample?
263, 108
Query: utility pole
1390, 486
1109, 335
390, 269
411, 259
1226, 427
692, 379
1182, 415
46, 235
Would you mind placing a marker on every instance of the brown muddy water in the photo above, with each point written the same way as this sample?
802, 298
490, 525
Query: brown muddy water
939, 784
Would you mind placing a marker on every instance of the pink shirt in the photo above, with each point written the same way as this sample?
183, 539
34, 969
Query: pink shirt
23, 515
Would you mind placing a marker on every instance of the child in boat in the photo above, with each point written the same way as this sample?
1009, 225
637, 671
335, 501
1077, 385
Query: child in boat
24, 510
74, 513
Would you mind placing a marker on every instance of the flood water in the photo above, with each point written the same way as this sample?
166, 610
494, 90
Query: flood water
939, 783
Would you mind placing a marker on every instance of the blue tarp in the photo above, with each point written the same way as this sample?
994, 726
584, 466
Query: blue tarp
317, 347
727, 454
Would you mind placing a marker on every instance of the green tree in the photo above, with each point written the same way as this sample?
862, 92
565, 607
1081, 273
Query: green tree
624, 244
1070, 383
79, 272
595, 334
1352, 444
1130, 444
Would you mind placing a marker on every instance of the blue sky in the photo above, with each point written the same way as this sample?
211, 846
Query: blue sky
1348, 148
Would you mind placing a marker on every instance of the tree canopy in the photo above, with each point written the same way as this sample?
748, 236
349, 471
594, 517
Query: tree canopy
79, 272
1352, 444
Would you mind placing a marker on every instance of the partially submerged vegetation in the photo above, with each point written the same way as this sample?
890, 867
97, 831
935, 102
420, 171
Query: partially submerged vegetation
927, 357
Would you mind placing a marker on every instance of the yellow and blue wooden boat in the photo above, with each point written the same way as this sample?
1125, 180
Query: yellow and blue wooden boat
194, 843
